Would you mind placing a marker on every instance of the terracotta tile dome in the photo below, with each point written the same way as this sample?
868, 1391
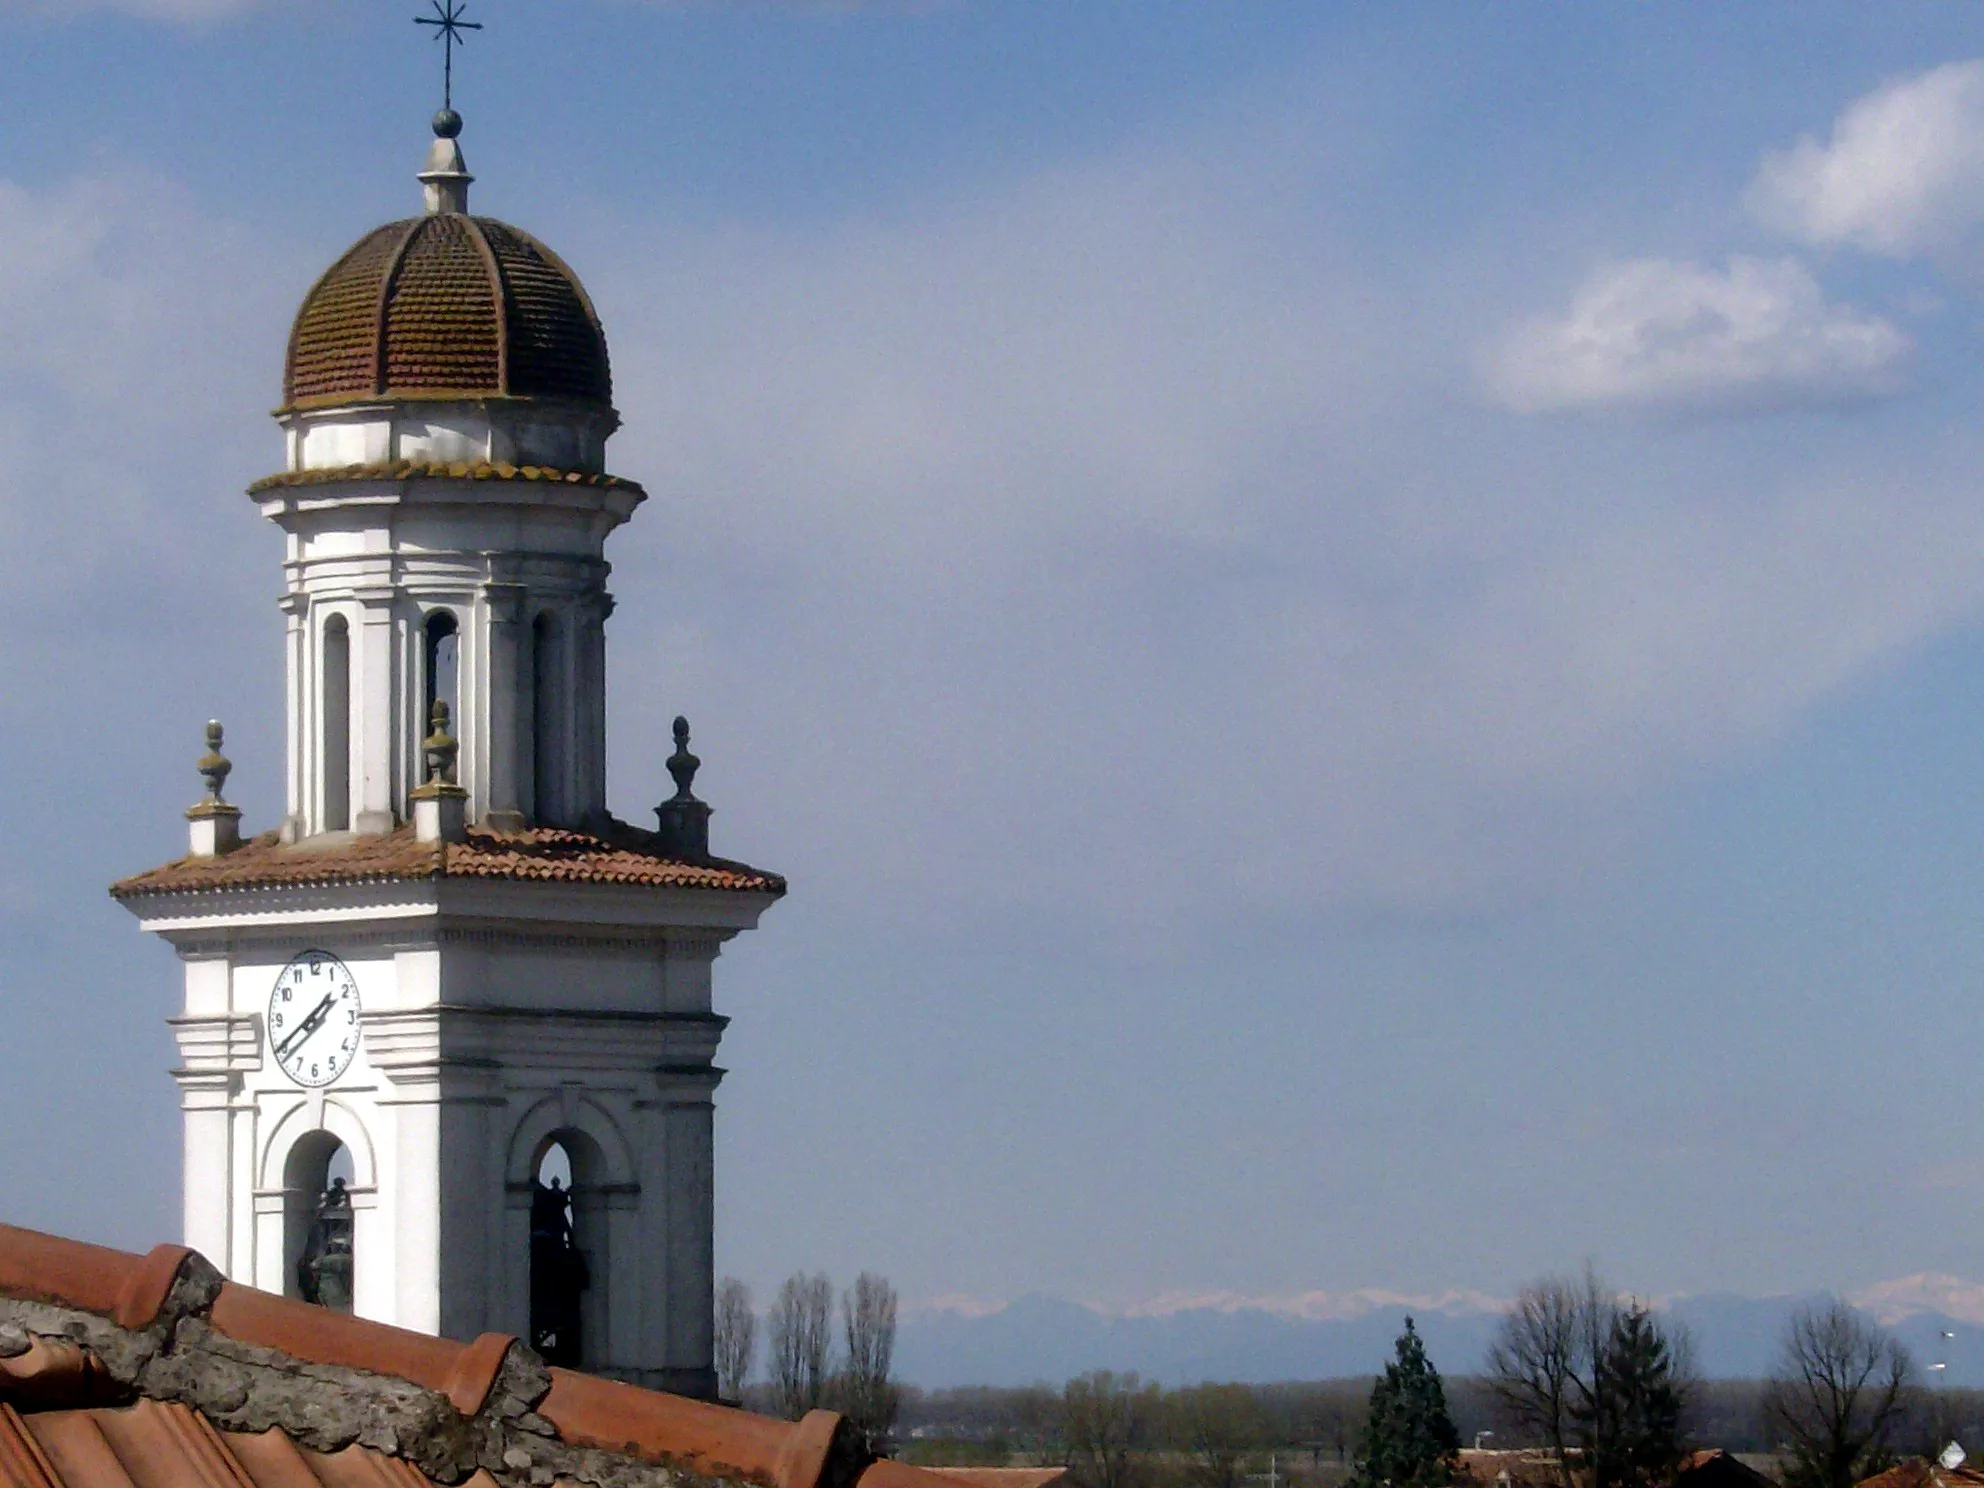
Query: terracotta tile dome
446, 306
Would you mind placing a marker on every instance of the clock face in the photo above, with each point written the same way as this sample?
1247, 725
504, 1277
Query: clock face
313, 1018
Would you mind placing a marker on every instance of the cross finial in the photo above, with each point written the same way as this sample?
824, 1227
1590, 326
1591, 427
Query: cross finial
448, 27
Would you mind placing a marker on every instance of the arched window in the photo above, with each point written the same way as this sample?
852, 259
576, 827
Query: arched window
544, 750
443, 672
337, 726
319, 1257
567, 1253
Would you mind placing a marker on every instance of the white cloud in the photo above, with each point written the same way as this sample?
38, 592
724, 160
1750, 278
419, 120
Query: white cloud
1119, 491
1656, 333
1122, 494
1902, 174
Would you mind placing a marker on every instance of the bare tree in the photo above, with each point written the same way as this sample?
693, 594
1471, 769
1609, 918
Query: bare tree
736, 1338
1584, 1371
1036, 1423
867, 1396
1839, 1393
1537, 1359
1107, 1422
801, 1327
1218, 1425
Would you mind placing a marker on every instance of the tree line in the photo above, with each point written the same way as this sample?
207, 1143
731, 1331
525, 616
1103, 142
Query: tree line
1602, 1386
807, 1367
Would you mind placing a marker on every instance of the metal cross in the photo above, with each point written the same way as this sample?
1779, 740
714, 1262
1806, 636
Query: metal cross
448, 27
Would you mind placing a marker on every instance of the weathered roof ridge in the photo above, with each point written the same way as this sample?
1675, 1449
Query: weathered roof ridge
166, 1328
472, 470
616, 853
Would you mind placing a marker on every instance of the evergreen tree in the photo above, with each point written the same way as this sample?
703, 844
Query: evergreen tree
1409, 1439
1632, 1426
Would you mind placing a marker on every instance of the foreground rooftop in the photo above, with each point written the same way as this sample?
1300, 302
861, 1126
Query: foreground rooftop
127, 1371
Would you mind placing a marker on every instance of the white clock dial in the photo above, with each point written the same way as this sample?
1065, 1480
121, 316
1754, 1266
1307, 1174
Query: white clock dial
313, 1018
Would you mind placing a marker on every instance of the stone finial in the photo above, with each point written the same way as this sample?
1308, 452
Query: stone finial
445, 178
440, 807
440, 747
216, 826
684, 821
682, 765
215, 767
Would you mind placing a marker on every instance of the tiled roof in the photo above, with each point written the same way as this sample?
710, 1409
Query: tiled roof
474, 470
446, 305
993, 1477
124, 1371
1920, 1472
620, 855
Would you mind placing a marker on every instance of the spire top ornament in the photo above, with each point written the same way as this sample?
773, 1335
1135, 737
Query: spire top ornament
446, 178
448, 27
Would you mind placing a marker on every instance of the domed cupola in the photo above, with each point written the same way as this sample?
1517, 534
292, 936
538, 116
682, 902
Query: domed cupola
446, 306
446, 404
447, 338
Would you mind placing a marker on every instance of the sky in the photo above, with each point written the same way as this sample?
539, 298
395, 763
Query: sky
1360, 629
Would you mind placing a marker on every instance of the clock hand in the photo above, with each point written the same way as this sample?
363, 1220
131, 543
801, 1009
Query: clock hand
304, 1029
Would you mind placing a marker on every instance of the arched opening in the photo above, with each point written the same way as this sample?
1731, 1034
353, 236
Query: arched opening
568, 1252
543, 718
443, 671
337, 726
319, 1258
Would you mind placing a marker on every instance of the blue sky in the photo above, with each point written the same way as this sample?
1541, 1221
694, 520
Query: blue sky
1359, 627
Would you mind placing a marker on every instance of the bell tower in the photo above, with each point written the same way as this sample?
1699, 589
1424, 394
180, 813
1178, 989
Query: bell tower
447, 1044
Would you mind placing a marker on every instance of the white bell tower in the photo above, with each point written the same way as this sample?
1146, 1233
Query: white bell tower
447, 1043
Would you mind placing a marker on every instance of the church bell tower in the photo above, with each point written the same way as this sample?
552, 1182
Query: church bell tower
447, 1042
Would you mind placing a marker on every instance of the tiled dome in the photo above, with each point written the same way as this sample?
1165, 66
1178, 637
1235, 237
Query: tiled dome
446, 306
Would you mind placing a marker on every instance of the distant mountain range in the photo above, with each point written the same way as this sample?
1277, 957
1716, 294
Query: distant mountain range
1320, 1336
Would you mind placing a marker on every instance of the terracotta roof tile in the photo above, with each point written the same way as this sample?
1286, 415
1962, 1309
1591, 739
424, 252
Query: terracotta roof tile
474, 470
189, 1408
621, 855
978, 1477
450, 305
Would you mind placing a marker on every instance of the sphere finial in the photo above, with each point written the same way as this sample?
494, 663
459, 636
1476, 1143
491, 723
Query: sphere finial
447, 124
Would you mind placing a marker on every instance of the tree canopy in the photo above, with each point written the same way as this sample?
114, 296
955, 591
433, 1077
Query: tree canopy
1409, 1438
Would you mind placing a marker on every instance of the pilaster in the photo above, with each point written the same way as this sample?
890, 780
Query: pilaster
376, 708
295, 606
502, 746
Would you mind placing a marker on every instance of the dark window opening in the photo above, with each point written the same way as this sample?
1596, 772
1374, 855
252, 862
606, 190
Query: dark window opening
319, 1240
443, 671
559, 1274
